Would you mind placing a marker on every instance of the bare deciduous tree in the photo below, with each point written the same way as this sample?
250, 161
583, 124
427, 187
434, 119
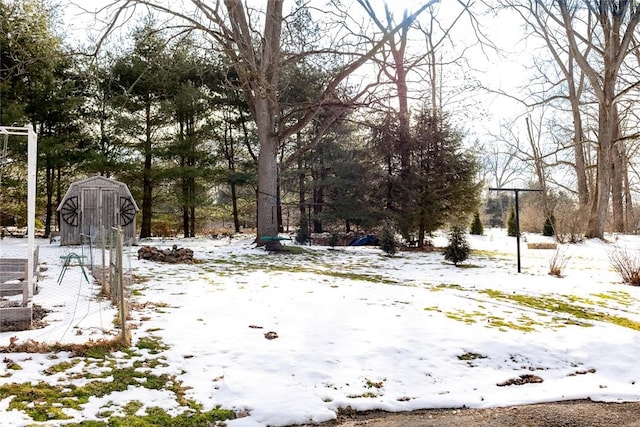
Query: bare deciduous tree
257, 57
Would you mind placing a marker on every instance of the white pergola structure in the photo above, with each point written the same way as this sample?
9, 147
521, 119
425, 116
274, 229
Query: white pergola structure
32, 156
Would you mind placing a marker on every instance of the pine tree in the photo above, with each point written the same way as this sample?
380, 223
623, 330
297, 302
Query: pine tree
548, 227
511, 222
388, 240
458, 249
302, 235
476, 225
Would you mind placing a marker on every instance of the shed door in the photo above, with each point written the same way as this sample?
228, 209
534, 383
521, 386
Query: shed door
98, 210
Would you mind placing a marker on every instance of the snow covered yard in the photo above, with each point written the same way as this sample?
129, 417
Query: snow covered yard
285, 339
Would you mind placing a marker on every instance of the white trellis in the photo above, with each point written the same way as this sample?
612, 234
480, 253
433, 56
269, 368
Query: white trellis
32, 156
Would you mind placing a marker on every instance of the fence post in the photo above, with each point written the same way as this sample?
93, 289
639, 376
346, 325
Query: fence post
119, 274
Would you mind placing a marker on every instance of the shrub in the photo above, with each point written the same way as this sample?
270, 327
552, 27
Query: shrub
334, 239
458, 249
569, 222
511, 222
549, 226
557, 263
627, 264
302, 234
388, 241
476, 225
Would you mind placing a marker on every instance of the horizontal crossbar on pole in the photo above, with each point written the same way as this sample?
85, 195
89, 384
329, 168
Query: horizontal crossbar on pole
14, 130
514, 189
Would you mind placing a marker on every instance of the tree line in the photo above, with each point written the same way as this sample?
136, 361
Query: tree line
177, 123
258, 117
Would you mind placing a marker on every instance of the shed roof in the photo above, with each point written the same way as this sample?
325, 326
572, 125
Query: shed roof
100, 182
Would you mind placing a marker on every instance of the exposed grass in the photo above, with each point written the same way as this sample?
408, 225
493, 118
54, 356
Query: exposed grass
471, 356
152, 343
311, 267
61, 367
45, 402
565, 310
559, 306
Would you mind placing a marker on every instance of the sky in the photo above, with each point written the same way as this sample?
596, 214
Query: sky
349, 327
476, 112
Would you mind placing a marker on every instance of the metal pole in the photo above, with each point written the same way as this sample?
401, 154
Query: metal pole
516, 191
518, 229
32, 149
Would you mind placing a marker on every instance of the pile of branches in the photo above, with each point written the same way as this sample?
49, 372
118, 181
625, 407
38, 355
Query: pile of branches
174, 255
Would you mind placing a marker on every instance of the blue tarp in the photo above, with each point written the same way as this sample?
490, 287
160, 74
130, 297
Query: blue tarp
365, 240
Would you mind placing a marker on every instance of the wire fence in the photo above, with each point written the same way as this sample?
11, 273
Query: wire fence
90, 295
110, 262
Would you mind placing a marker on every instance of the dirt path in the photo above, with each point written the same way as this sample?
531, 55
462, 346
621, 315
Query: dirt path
582, 413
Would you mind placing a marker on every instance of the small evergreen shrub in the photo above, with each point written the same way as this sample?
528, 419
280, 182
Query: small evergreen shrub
511, 222
476, 225
334, 239
458, 249
388, 241
549, 226
302, 234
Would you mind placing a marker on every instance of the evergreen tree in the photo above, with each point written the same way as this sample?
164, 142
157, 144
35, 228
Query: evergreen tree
141, 75
548, 227
458, 249
302, 235
38, 85
511, 222
438, 186
388, 240
476, 225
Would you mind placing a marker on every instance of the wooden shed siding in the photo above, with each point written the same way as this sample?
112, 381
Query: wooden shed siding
99, 201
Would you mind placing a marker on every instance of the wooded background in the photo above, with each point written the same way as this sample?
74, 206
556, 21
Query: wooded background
327, 116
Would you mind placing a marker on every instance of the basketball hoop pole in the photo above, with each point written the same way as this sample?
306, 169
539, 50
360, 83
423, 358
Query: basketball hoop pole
516, 191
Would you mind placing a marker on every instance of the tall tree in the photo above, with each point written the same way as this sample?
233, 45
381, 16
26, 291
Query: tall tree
258, 58
39, 86
141, 76
442, 185
543, 25
617, 22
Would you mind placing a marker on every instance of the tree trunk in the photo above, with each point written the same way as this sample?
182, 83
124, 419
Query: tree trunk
630, 218
617, 188
578, 139
193, 221
234, 203
600, 204
267, 171
301, 185
147, 183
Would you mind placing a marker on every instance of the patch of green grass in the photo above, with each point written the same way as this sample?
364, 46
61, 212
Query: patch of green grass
43, 402
158, 417
11, 365
443, 286
61, 367
467, 265
556, 305
152, 343
130, 408
471, 356
621, 297
489, 254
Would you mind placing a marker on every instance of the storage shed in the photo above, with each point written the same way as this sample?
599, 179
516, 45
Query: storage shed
94, 203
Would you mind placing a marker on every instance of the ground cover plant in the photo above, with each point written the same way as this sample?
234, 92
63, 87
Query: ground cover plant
243, 337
